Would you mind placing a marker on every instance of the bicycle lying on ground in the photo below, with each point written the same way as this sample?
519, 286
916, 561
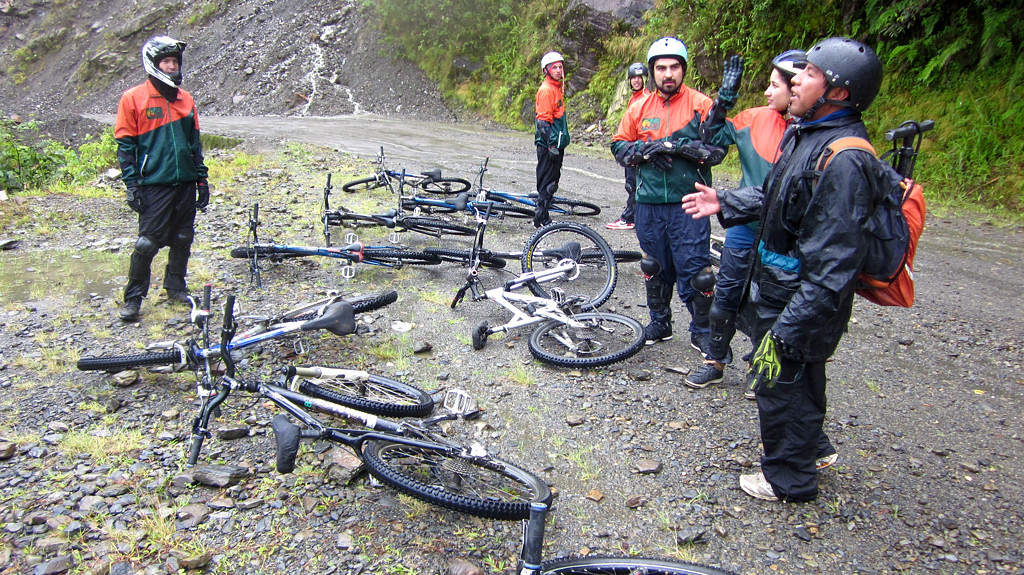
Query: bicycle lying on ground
393, 219
430, 181
595, 274
558, 205
411, 456
353, 253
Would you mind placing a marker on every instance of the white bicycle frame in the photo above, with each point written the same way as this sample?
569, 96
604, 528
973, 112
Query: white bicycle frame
538, 308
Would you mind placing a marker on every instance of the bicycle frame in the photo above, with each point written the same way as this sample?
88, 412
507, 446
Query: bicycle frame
537, 309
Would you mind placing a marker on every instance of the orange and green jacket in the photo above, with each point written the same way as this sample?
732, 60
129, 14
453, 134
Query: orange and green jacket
552, 128
157, 140
655, 118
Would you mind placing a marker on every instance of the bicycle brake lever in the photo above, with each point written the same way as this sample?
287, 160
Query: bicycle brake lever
459, 295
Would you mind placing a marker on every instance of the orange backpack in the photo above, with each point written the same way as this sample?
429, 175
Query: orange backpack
888, 274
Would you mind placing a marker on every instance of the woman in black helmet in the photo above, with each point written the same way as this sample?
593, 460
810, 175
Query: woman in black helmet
636, 75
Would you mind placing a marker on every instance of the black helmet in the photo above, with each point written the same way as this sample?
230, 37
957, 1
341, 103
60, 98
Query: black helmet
157, 49
636, 69
849, 64
790, 62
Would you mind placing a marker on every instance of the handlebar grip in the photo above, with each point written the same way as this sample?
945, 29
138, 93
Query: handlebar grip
255, 212
207, 291
486, 159
193, 449
229, 312
909, 130
305, 371
328, 180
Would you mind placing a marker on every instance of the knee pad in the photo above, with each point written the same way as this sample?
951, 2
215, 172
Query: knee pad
721, 316
183, 239
704, 281
146, 246
649, 266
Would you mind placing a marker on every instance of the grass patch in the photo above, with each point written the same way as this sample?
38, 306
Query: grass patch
103, 445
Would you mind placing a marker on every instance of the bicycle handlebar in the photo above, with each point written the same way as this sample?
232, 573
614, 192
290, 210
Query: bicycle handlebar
909, 130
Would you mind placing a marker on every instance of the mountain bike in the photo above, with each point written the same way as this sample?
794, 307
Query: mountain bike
411, 456
558, 205
353, 253
393, 219
430, 181
594, 277
464, 202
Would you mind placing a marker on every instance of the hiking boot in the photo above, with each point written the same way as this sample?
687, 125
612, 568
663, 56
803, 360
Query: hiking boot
701, 342
710, 372
748, 385
620, 224
657, 331
826, 461
179, 296
130, 309
756, 485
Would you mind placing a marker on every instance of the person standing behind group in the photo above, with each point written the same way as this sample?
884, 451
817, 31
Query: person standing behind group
551, 133
756, 133
636, 75
813, 242
157, 135
659, 136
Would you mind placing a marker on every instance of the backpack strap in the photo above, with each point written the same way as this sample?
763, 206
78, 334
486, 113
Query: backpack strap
838, 145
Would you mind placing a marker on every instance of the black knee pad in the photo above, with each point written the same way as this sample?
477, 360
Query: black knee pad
721, 316
183, 239
649, 266
145, 246
704, 281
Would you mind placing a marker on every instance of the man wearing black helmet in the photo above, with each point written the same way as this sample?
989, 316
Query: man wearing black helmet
636, 75
811, 247
157, 134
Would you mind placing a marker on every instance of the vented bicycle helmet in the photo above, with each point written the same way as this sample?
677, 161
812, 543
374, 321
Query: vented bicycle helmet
549, 59
790, 62
636, 69
849, 64
157, 49
667, 48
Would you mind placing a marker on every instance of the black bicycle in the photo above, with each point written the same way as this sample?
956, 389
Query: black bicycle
353, 253
414, 457
430, 181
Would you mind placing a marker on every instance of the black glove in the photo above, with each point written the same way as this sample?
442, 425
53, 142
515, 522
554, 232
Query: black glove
630, 154
202, 195
652, 149
731, 76
134, 198
554, 151
698, 152
661, 162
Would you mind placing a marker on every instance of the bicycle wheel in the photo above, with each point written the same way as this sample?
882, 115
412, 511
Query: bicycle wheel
574, 207
115, 363
264, 252
484, 487
360, 304
378, 395
595, 276
362, 184
625, 566
605, 338
506, 210
621, 256
462, 257
353, 220
445, 186
398, 258
435, 227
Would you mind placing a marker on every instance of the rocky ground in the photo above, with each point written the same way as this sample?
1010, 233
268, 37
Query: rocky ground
924, 407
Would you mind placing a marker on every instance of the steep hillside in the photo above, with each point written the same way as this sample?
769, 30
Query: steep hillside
251, 57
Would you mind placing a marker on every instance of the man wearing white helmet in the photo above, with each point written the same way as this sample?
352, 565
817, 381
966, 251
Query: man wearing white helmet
551, 134
659, 136
157, 134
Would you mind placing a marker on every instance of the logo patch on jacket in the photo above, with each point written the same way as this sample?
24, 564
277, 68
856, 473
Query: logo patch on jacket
154, 113
650, 124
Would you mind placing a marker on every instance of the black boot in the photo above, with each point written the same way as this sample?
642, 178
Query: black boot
659, 299
139, 269
130, 309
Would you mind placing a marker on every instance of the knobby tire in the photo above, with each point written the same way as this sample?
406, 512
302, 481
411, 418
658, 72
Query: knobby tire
575, 207
598, 273
379, 395
625, 566
393, 257
487, 488
445, 186
462, 257
435, 227
264, 252
604, 339
115, 363
362, 185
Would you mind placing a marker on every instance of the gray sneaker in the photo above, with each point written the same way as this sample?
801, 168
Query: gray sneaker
710, 372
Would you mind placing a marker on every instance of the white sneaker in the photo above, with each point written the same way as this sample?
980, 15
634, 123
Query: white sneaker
756, 485
825, 462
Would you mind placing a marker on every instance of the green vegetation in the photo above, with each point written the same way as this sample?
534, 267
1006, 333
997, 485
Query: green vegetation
29, 161
960, 65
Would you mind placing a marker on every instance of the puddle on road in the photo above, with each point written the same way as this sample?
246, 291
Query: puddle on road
31, 277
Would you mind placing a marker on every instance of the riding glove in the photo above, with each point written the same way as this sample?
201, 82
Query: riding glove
202, 195
133, 196
731, 76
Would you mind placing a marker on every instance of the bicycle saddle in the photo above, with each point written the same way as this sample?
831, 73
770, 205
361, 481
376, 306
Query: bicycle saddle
338, 318
571, 250
432, 175
460, 201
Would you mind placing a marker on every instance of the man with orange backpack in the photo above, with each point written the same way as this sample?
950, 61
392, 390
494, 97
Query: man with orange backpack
811, 247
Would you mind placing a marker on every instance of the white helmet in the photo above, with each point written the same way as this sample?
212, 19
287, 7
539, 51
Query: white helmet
157, 49
549, 59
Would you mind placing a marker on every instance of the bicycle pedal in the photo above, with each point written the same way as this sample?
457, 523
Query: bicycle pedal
460, 402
